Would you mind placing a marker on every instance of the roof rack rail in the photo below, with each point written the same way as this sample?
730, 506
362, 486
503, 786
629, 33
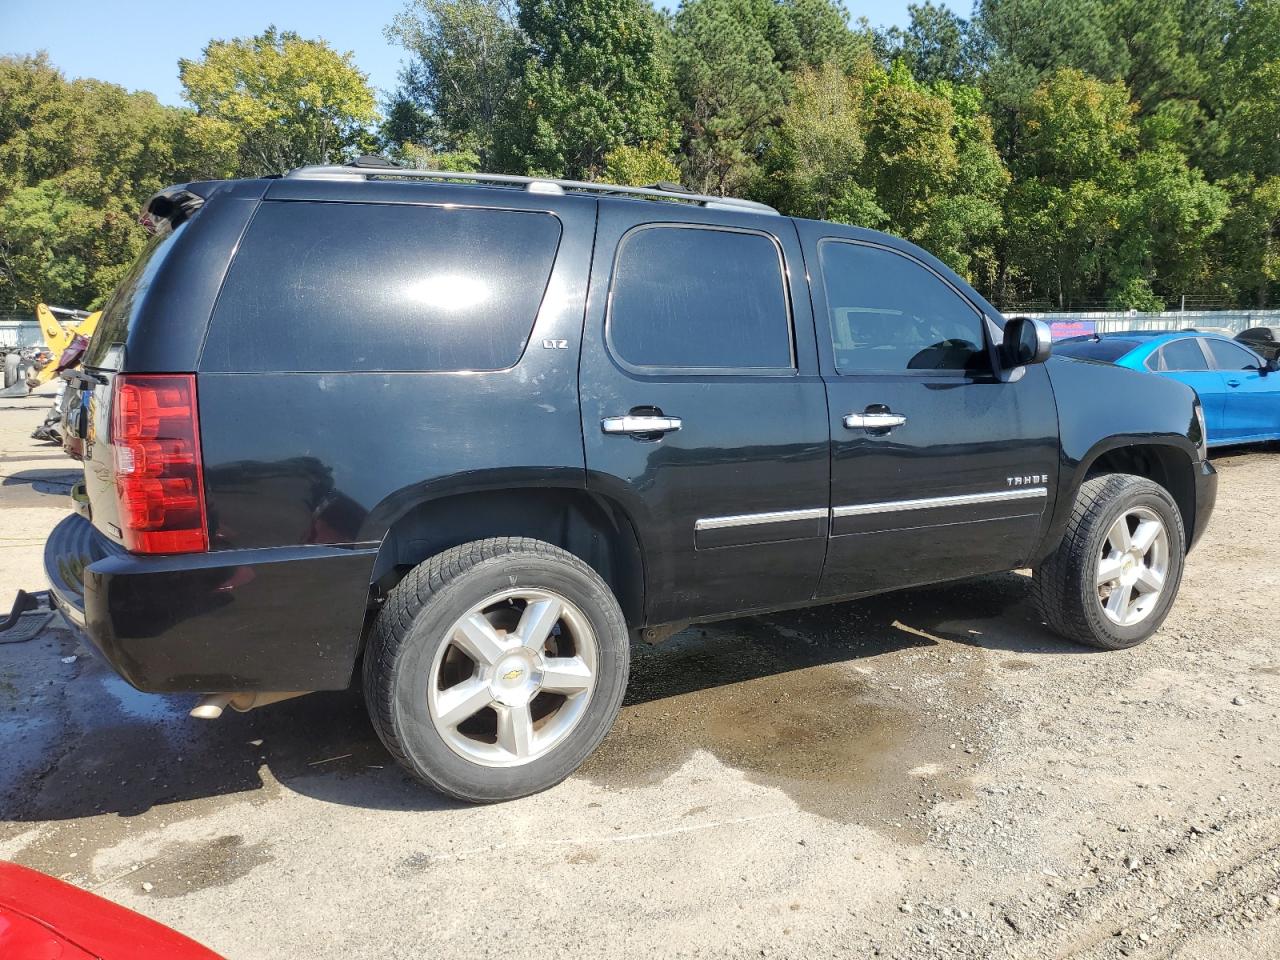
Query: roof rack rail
545, 185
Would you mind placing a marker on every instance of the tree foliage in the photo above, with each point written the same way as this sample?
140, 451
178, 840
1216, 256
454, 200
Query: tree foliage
461, 75
594, 78
1066, 152
76, 161
277, 101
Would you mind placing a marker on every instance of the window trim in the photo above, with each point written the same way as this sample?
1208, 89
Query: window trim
983, 320
669, 371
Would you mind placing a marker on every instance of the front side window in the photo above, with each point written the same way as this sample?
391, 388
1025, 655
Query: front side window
693, 298
1183, 355
889, 314
1227, 356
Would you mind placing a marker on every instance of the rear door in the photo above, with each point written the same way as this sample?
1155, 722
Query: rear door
1251, 405
1187, 361
703, 413
939, 467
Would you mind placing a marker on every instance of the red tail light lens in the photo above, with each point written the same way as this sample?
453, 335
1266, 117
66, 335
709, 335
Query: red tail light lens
155, 438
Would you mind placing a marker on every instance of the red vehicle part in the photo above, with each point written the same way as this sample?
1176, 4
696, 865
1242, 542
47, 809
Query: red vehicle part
45, 919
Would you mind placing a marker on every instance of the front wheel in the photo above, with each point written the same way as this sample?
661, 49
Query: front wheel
1112, 579
495, 668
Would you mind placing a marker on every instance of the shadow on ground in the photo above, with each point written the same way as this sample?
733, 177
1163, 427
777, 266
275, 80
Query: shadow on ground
793, 699
36, 487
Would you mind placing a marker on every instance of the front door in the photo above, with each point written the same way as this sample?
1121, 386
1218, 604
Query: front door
703, 414
941, 466
1251, 406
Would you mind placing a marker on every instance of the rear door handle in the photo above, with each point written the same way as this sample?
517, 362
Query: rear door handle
1233, 383
873, 421
633, 424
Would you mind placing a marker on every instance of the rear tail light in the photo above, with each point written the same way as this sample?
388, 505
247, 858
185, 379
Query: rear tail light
155, 438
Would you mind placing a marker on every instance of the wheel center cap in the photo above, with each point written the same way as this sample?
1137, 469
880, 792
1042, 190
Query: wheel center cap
516, 678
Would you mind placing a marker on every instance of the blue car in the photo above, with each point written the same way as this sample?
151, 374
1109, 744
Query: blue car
1239, 390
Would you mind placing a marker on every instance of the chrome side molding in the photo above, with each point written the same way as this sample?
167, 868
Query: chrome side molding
748, 519
928, 503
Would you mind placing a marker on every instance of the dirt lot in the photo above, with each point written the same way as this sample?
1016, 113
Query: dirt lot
927, 774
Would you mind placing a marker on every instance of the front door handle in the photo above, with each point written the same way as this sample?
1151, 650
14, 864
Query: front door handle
634, 423
873, 421
1233, 383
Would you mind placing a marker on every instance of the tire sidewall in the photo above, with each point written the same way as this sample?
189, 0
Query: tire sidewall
427, 752
1136, 493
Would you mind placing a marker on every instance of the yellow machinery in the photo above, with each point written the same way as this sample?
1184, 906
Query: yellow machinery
58, 337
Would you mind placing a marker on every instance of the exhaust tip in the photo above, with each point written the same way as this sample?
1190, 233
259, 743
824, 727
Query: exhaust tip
211, 706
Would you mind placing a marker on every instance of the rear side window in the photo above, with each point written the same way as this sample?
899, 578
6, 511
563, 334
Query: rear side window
371, 287
1182, 355
889, 314
694, 298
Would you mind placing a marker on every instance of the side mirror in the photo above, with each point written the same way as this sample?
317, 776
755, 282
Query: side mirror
1270, 366
1026, 341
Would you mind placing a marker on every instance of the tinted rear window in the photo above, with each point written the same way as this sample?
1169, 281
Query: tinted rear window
699, 299
395, 287
1107, 350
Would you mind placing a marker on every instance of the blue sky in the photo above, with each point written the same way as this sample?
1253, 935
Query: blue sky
137, 43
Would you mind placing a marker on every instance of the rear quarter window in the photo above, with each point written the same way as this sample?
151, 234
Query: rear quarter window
381, 287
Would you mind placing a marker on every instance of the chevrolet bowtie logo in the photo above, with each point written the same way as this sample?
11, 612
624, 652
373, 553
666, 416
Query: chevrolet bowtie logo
512, 674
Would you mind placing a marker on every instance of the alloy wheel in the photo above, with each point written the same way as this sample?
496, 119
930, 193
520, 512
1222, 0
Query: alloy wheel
1132, 567
514, 677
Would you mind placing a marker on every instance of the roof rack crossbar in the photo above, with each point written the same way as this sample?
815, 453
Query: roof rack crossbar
531, 184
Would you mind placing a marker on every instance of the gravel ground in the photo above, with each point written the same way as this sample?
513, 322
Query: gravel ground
925, 774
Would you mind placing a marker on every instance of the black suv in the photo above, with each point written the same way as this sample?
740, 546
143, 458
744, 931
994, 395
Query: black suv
471, 434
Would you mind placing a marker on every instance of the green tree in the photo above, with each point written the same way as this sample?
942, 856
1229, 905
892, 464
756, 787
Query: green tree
77, 160
813, 164
463, 72
1093, 217
595, 77
939, 45
640, 166
730, 90
278, 101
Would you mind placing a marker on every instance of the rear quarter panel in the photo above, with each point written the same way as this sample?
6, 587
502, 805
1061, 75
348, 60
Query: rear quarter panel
333, 457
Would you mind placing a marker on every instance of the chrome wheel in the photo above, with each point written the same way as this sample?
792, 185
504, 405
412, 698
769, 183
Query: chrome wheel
513, 678
1132, 567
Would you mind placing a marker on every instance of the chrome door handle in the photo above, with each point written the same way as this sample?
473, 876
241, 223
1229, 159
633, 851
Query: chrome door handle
873, 421
640, 424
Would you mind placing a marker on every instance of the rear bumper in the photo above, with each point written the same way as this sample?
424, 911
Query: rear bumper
279, 618
1206, 497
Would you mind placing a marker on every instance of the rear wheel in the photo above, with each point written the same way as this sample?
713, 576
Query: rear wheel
1114, 576
496, 668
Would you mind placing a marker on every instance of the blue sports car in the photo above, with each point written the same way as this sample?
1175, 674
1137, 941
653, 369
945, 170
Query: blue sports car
1239, 390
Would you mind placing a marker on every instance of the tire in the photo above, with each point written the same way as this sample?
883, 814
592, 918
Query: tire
1072, 587
421, 668
11, 364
